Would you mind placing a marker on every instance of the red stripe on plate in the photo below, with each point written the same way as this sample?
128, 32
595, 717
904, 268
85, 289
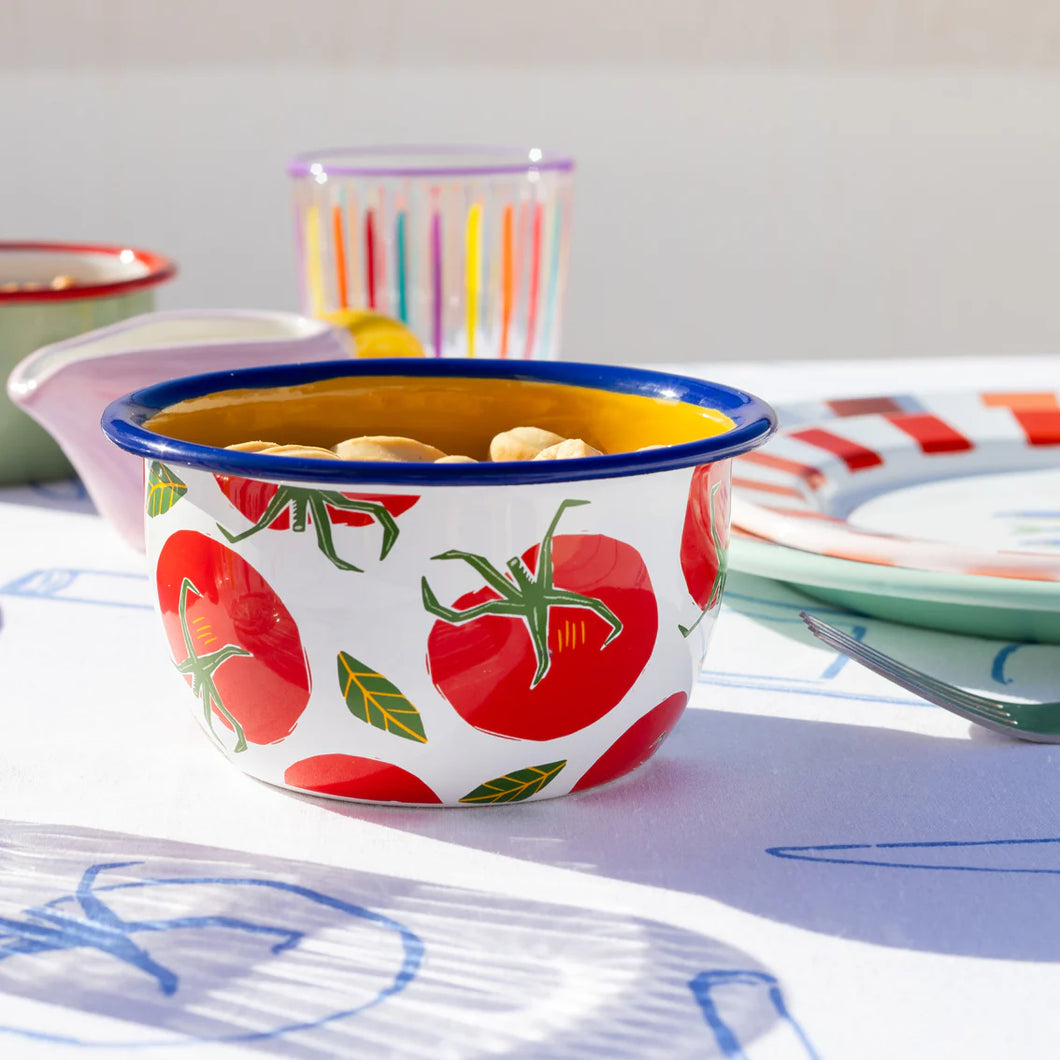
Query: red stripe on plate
932, 434
1043, 399
812, 476
856, 457
766, 487
856, 557
1032, 575
1037, 413
802, 513
739, 531
863, 406
1041, 426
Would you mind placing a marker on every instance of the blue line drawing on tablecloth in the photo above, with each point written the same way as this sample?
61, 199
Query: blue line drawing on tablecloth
835, 667
1035, 536
785, 613
49, 928
790, 605
792, 686
952, 855
499, 974
103, 588
789, 616
997, 668
45, 928
778, 612
63, 490
703, 987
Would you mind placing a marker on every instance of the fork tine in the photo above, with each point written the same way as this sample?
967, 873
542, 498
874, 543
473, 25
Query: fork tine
1008, 727
864, 653
969, 700
921, 682
1036, 722
913, 680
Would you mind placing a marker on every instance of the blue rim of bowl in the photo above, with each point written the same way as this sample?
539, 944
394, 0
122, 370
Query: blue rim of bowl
755, 421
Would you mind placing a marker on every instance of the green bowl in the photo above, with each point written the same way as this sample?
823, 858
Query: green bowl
53, 291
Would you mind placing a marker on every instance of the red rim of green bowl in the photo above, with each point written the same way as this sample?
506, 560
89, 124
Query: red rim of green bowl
159, 269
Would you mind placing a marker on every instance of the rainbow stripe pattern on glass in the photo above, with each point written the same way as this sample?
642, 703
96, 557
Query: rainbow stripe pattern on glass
469, 247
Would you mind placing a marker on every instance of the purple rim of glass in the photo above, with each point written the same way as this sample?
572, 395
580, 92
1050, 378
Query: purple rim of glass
356, 161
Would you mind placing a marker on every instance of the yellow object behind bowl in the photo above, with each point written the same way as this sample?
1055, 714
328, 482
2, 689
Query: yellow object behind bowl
375, 334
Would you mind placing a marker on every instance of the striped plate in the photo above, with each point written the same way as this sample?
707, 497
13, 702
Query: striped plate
956, 483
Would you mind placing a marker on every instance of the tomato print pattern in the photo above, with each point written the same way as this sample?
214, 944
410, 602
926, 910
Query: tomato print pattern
550, 645
282, 507
353, 777
233, 639
636, 745
705, 537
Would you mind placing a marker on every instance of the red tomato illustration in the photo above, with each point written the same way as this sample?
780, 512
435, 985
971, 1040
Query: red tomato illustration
705, 536
252, 497
233, 638
282, 507
636, 745
358, 778
557, 643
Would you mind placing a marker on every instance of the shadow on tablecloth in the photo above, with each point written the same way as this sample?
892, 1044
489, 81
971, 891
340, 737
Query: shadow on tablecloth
949, 846
124, 942
64, 494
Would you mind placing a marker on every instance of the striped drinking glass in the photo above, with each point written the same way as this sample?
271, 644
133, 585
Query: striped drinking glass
467, 246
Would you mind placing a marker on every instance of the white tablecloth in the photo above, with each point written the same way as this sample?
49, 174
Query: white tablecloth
816, 863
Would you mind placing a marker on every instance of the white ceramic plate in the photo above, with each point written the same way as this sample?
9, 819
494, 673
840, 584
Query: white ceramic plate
942, 510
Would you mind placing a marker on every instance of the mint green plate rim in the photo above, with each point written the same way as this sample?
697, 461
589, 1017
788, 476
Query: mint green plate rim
1005, 608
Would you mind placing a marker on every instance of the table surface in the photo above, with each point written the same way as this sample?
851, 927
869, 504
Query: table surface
816, 863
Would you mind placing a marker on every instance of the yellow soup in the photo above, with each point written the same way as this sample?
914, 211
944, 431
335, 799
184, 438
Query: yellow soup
456, 415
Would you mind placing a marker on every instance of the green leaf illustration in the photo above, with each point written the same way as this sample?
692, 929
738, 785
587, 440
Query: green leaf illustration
164, 489
372, 698
514, 787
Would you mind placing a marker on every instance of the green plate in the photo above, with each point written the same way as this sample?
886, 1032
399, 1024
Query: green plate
1001, 608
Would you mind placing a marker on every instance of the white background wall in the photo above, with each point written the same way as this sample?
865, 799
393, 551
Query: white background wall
757, 178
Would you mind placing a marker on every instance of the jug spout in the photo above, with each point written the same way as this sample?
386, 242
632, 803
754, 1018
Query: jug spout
66, 386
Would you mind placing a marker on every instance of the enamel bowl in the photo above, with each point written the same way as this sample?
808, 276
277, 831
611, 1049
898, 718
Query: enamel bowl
49, 292
438, 634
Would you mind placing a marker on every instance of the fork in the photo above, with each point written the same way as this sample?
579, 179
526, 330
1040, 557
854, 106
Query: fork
1039, 722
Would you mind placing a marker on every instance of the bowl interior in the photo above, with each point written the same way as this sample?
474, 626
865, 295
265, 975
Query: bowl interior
643, 421
454, 414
